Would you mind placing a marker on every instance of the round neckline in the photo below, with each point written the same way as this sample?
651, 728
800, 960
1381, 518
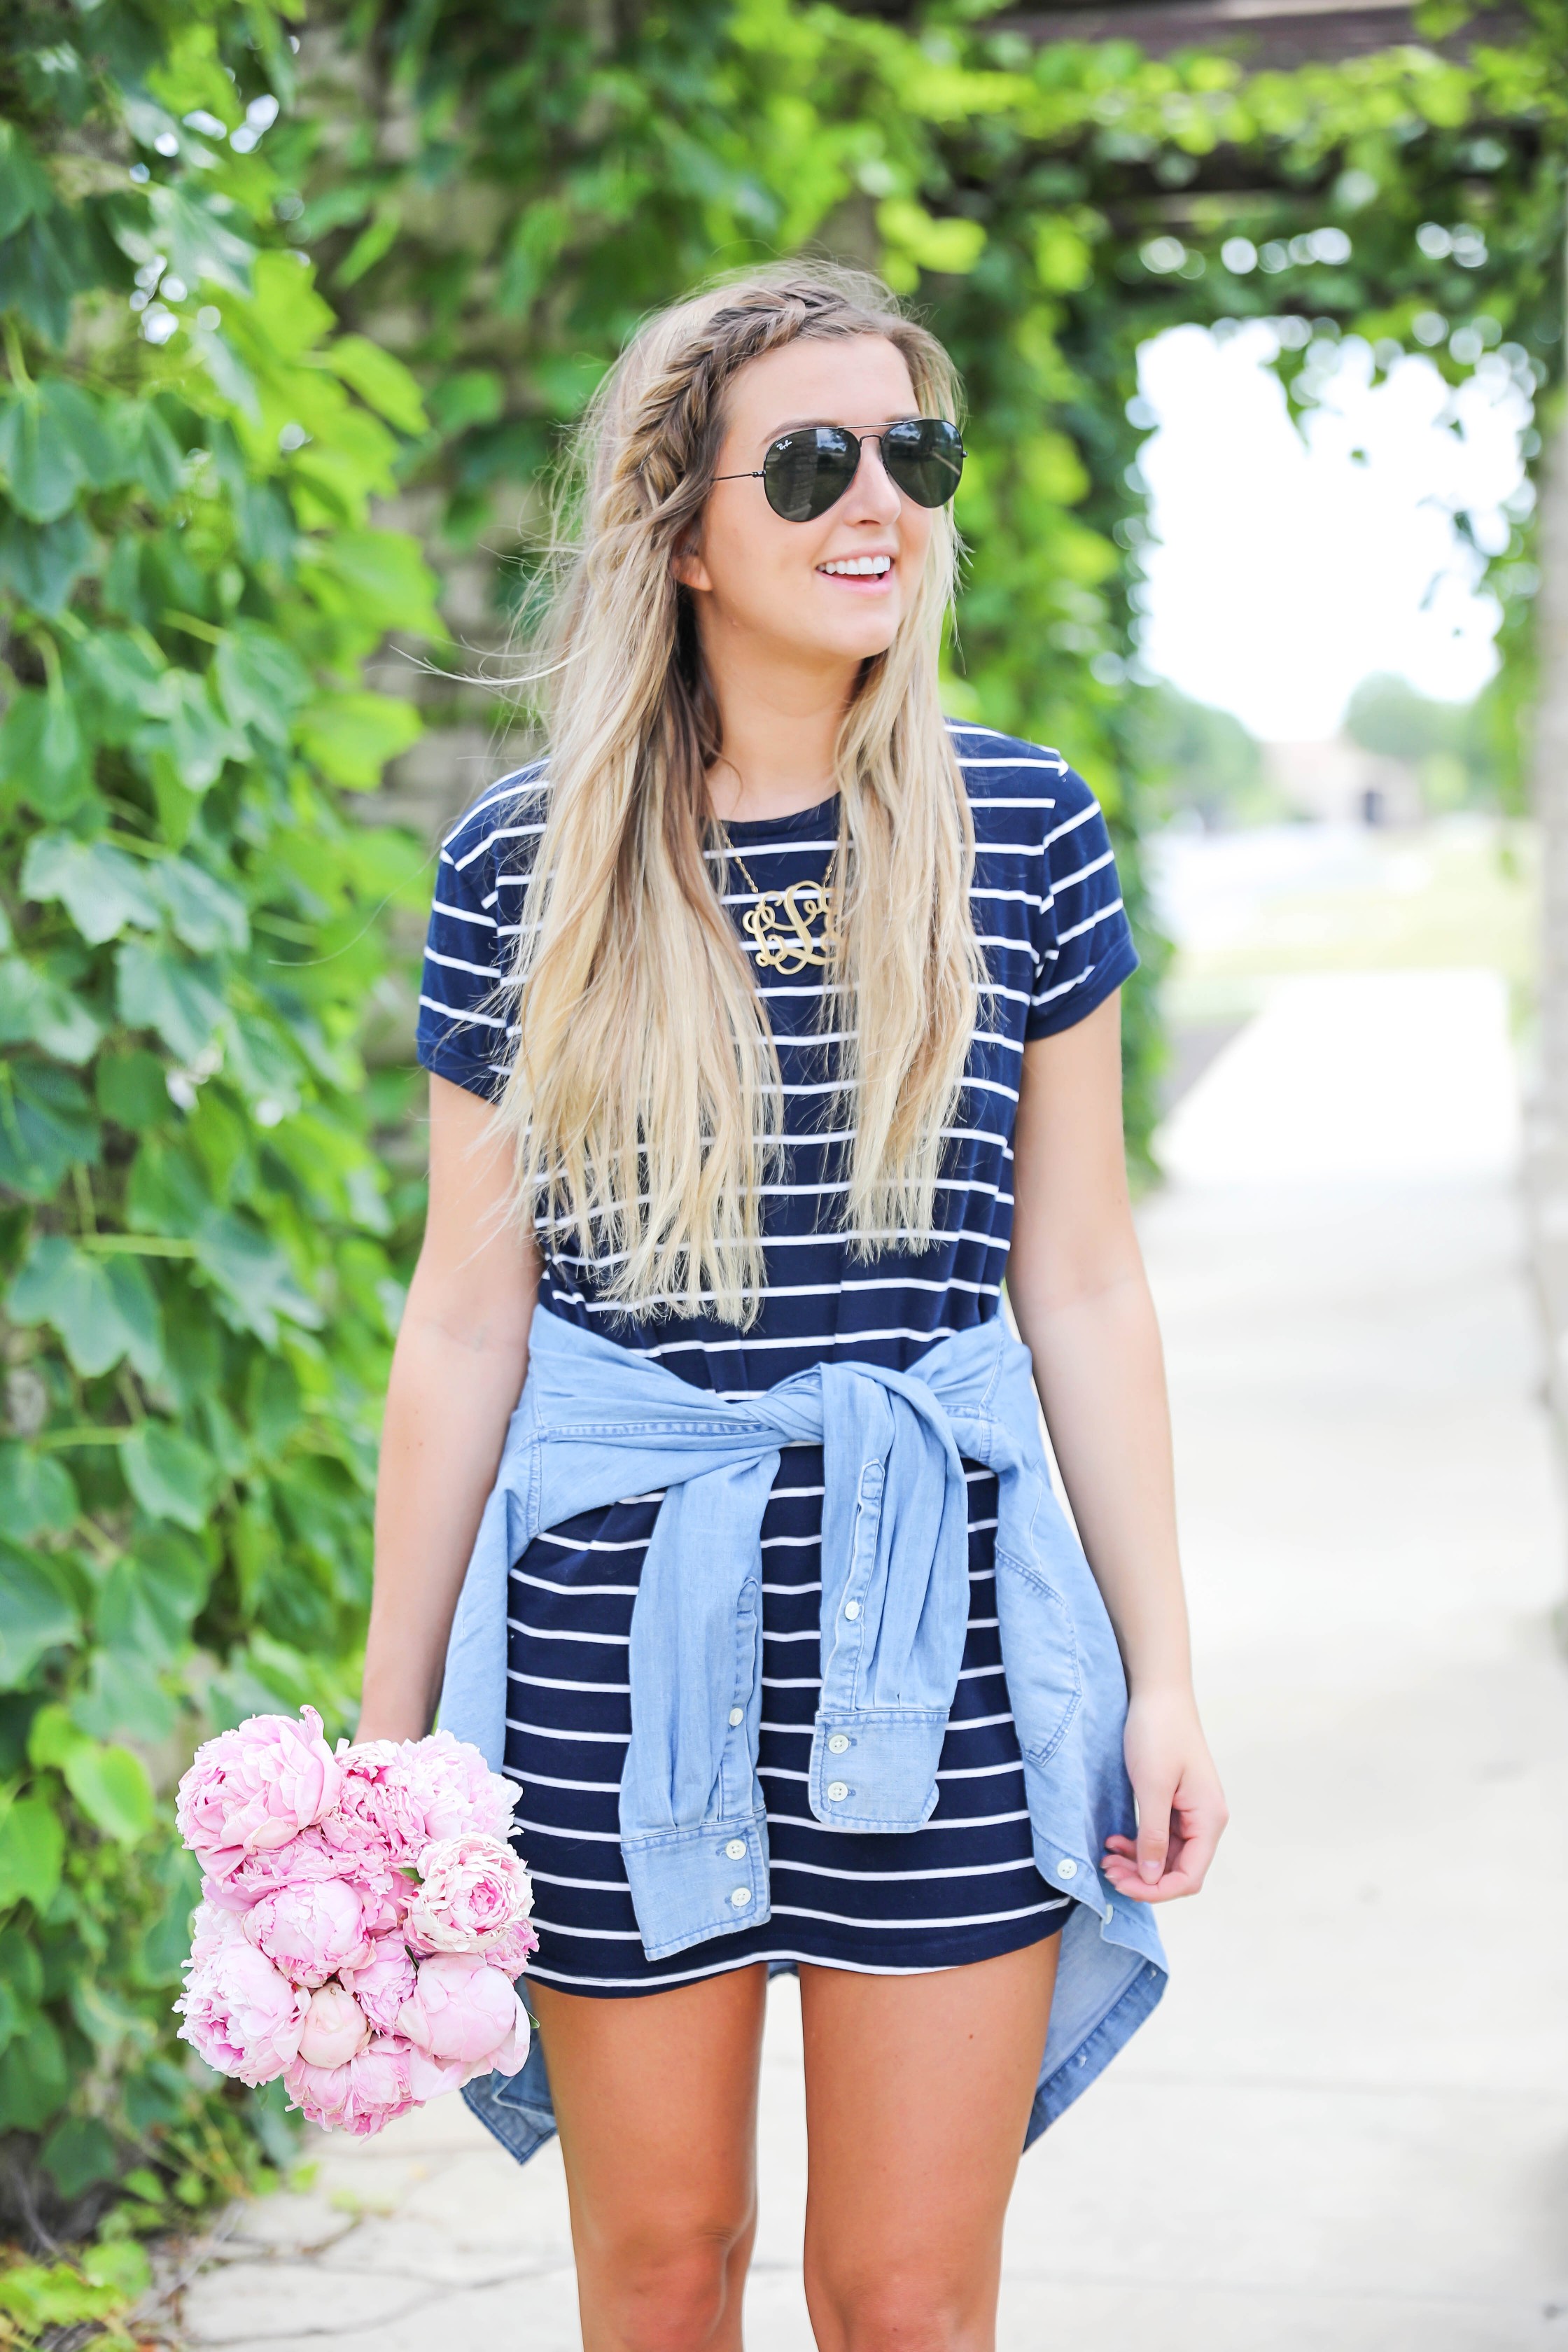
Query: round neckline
804, 820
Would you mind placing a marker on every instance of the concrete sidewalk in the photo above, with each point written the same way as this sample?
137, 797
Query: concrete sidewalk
1346, 2127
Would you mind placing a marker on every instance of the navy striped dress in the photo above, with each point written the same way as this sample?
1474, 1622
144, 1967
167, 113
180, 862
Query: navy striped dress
1050, 917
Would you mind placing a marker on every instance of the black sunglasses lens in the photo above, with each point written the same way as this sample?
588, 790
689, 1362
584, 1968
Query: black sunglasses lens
805, 473
924, 458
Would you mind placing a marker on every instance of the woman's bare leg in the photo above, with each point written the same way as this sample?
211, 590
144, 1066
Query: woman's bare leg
917, 2091
656, 2100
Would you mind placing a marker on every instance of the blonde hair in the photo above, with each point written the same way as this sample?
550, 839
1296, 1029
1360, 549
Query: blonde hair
644, 1100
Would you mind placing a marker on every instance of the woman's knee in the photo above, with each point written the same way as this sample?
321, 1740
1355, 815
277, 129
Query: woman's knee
901, 2312
671, 2288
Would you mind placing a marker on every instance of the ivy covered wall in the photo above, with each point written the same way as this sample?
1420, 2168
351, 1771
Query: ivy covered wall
193, 1224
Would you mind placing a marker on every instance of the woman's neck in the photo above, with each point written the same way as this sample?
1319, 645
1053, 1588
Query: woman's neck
779, 726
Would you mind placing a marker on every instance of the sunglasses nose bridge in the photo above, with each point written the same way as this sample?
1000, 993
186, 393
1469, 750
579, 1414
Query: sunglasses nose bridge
866, 442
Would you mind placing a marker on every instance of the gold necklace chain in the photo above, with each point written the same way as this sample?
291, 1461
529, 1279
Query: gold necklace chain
802, 904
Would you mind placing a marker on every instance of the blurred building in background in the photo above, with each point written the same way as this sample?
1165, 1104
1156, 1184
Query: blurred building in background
1340, 782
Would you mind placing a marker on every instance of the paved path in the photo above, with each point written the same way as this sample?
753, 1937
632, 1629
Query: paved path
1345, 2129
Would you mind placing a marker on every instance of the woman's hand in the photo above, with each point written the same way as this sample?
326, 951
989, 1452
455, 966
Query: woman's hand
1181, 1805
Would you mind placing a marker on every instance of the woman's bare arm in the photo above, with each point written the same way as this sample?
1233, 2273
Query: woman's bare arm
457, 1373
1078, 1291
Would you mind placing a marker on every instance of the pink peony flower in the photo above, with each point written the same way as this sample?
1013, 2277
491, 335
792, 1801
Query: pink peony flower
251, 1790
464, 2013
456, 1790
241, 2014
384, 1982
473, 1893
311, 1931
510, 1947
361, 2096
307, 1856
213, 1924
335, 2029
378, 1810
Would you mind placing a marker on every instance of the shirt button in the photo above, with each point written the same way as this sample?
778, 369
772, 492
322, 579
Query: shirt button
838, 1790
1067, 1870
737, 1715
838, 1744
852, 1609
736, 1849
740, 1897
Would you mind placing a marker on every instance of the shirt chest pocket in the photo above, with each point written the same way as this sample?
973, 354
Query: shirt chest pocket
1045, 1674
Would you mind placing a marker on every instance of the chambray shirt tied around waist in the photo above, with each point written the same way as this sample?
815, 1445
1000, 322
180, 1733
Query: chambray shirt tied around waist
597, 1422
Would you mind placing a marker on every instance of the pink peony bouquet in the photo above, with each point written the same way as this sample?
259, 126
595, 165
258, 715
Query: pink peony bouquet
363, 1919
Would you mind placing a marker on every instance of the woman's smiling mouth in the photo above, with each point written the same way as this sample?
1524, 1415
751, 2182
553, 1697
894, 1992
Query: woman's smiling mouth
857, 567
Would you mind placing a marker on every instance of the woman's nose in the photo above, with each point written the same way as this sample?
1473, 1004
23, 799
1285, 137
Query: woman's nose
873, 490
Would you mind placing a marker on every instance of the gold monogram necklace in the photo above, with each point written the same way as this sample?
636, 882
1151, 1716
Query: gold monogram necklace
802, 904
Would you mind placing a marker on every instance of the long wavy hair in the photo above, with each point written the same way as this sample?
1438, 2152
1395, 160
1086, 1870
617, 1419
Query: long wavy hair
644, 1101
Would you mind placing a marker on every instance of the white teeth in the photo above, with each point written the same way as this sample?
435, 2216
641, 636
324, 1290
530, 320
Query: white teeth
860, 567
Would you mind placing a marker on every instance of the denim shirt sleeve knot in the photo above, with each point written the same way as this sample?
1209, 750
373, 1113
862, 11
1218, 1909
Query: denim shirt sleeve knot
597, 1422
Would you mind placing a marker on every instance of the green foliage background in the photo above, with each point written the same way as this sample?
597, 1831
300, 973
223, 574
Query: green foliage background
256, 305
195, 1228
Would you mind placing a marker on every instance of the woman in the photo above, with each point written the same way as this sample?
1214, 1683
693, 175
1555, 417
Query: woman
790, 1012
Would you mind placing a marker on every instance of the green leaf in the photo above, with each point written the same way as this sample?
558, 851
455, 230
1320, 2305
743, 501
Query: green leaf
33, 2084
34, 1614
36, 1493
262, 681
32, 1854
119, 2264
43, 754
170, 1476
192, 230
41, 563
950, 246
382, 382
77, 418
470, 396
151, 1595
101, 890
21, 1968
24, 185
180, 998
103, 1308
45, 1124
125, 674
44, 266
111, 1786
286, 306
133, 1090
123, 1697
378, 577
79, 2153
352, 737
193, 733
52, 1736
152, 456
36, 1009
43, 473
1063, 259
204, 914
256, 1277
166, 1944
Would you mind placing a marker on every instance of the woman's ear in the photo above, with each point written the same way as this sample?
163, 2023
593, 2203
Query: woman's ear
687, 567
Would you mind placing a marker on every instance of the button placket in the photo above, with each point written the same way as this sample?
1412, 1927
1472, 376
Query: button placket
863, 1549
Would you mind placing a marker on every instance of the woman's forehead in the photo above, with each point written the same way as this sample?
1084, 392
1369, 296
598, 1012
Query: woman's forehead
850, 380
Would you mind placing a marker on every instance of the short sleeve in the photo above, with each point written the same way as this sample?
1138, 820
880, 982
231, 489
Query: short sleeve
481, 872
1083, 942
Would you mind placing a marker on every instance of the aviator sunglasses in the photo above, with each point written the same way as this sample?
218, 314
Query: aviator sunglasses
807, 471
